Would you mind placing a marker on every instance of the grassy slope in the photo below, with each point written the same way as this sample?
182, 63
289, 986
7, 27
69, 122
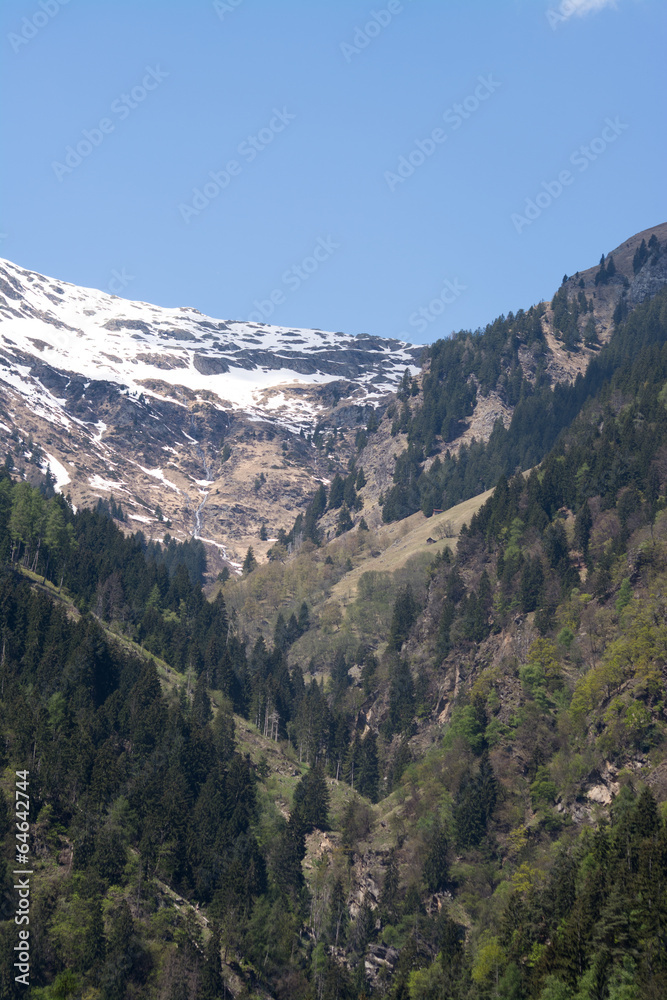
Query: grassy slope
402, 540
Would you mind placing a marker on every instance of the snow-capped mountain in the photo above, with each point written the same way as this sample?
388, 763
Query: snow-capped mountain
157, 351
137, 401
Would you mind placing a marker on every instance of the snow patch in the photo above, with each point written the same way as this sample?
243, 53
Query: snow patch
159, 474
98, 483
59, 471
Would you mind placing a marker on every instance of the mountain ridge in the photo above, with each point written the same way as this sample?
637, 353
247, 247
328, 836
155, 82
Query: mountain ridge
405, 762
149, 396
206, 427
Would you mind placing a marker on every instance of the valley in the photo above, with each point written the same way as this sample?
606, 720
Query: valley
339, 664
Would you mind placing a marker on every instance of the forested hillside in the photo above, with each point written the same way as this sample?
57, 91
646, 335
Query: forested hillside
448, 780
510, 359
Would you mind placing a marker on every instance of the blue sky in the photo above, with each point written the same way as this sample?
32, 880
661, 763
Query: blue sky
304, 112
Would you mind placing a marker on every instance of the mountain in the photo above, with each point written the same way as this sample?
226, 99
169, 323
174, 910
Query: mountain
138, 402
495, 400
405, 758
223, 430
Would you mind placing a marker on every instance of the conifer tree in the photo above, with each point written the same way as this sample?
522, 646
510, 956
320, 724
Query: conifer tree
344, 522
390, 886
403, 618
249, 563
452, 936
468, 816
211, 983
436, 865
311, 801
368, 779
352, 761
401, 699
336, 493
94, 944
280, 640
532, 584
339, 676
120, 954
349, 492
304, 618
640, 257
590, 333
201, 703
339, 917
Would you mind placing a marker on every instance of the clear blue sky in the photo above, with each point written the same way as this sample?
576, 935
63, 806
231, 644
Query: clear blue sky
359, 103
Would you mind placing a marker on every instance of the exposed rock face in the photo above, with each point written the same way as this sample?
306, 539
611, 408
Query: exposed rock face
650, 280
204, 421
378, 958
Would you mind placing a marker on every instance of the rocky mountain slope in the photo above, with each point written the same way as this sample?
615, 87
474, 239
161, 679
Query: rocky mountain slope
204, 419
423, 758
216, 428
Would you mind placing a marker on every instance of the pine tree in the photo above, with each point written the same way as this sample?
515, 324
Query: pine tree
344, 522
601, 276
94, 945
336, 493
249, 563
590, 333
349, 492
368, 775
640, 257
288, 855
401, 699
474, 803
436, 866
452, 936
403, 618
488, 787
339, 917
532, 584
339, 676
390, 885
310, 807
304, 618
211, 983
120, 954
201, 703
352, 761
280, 640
